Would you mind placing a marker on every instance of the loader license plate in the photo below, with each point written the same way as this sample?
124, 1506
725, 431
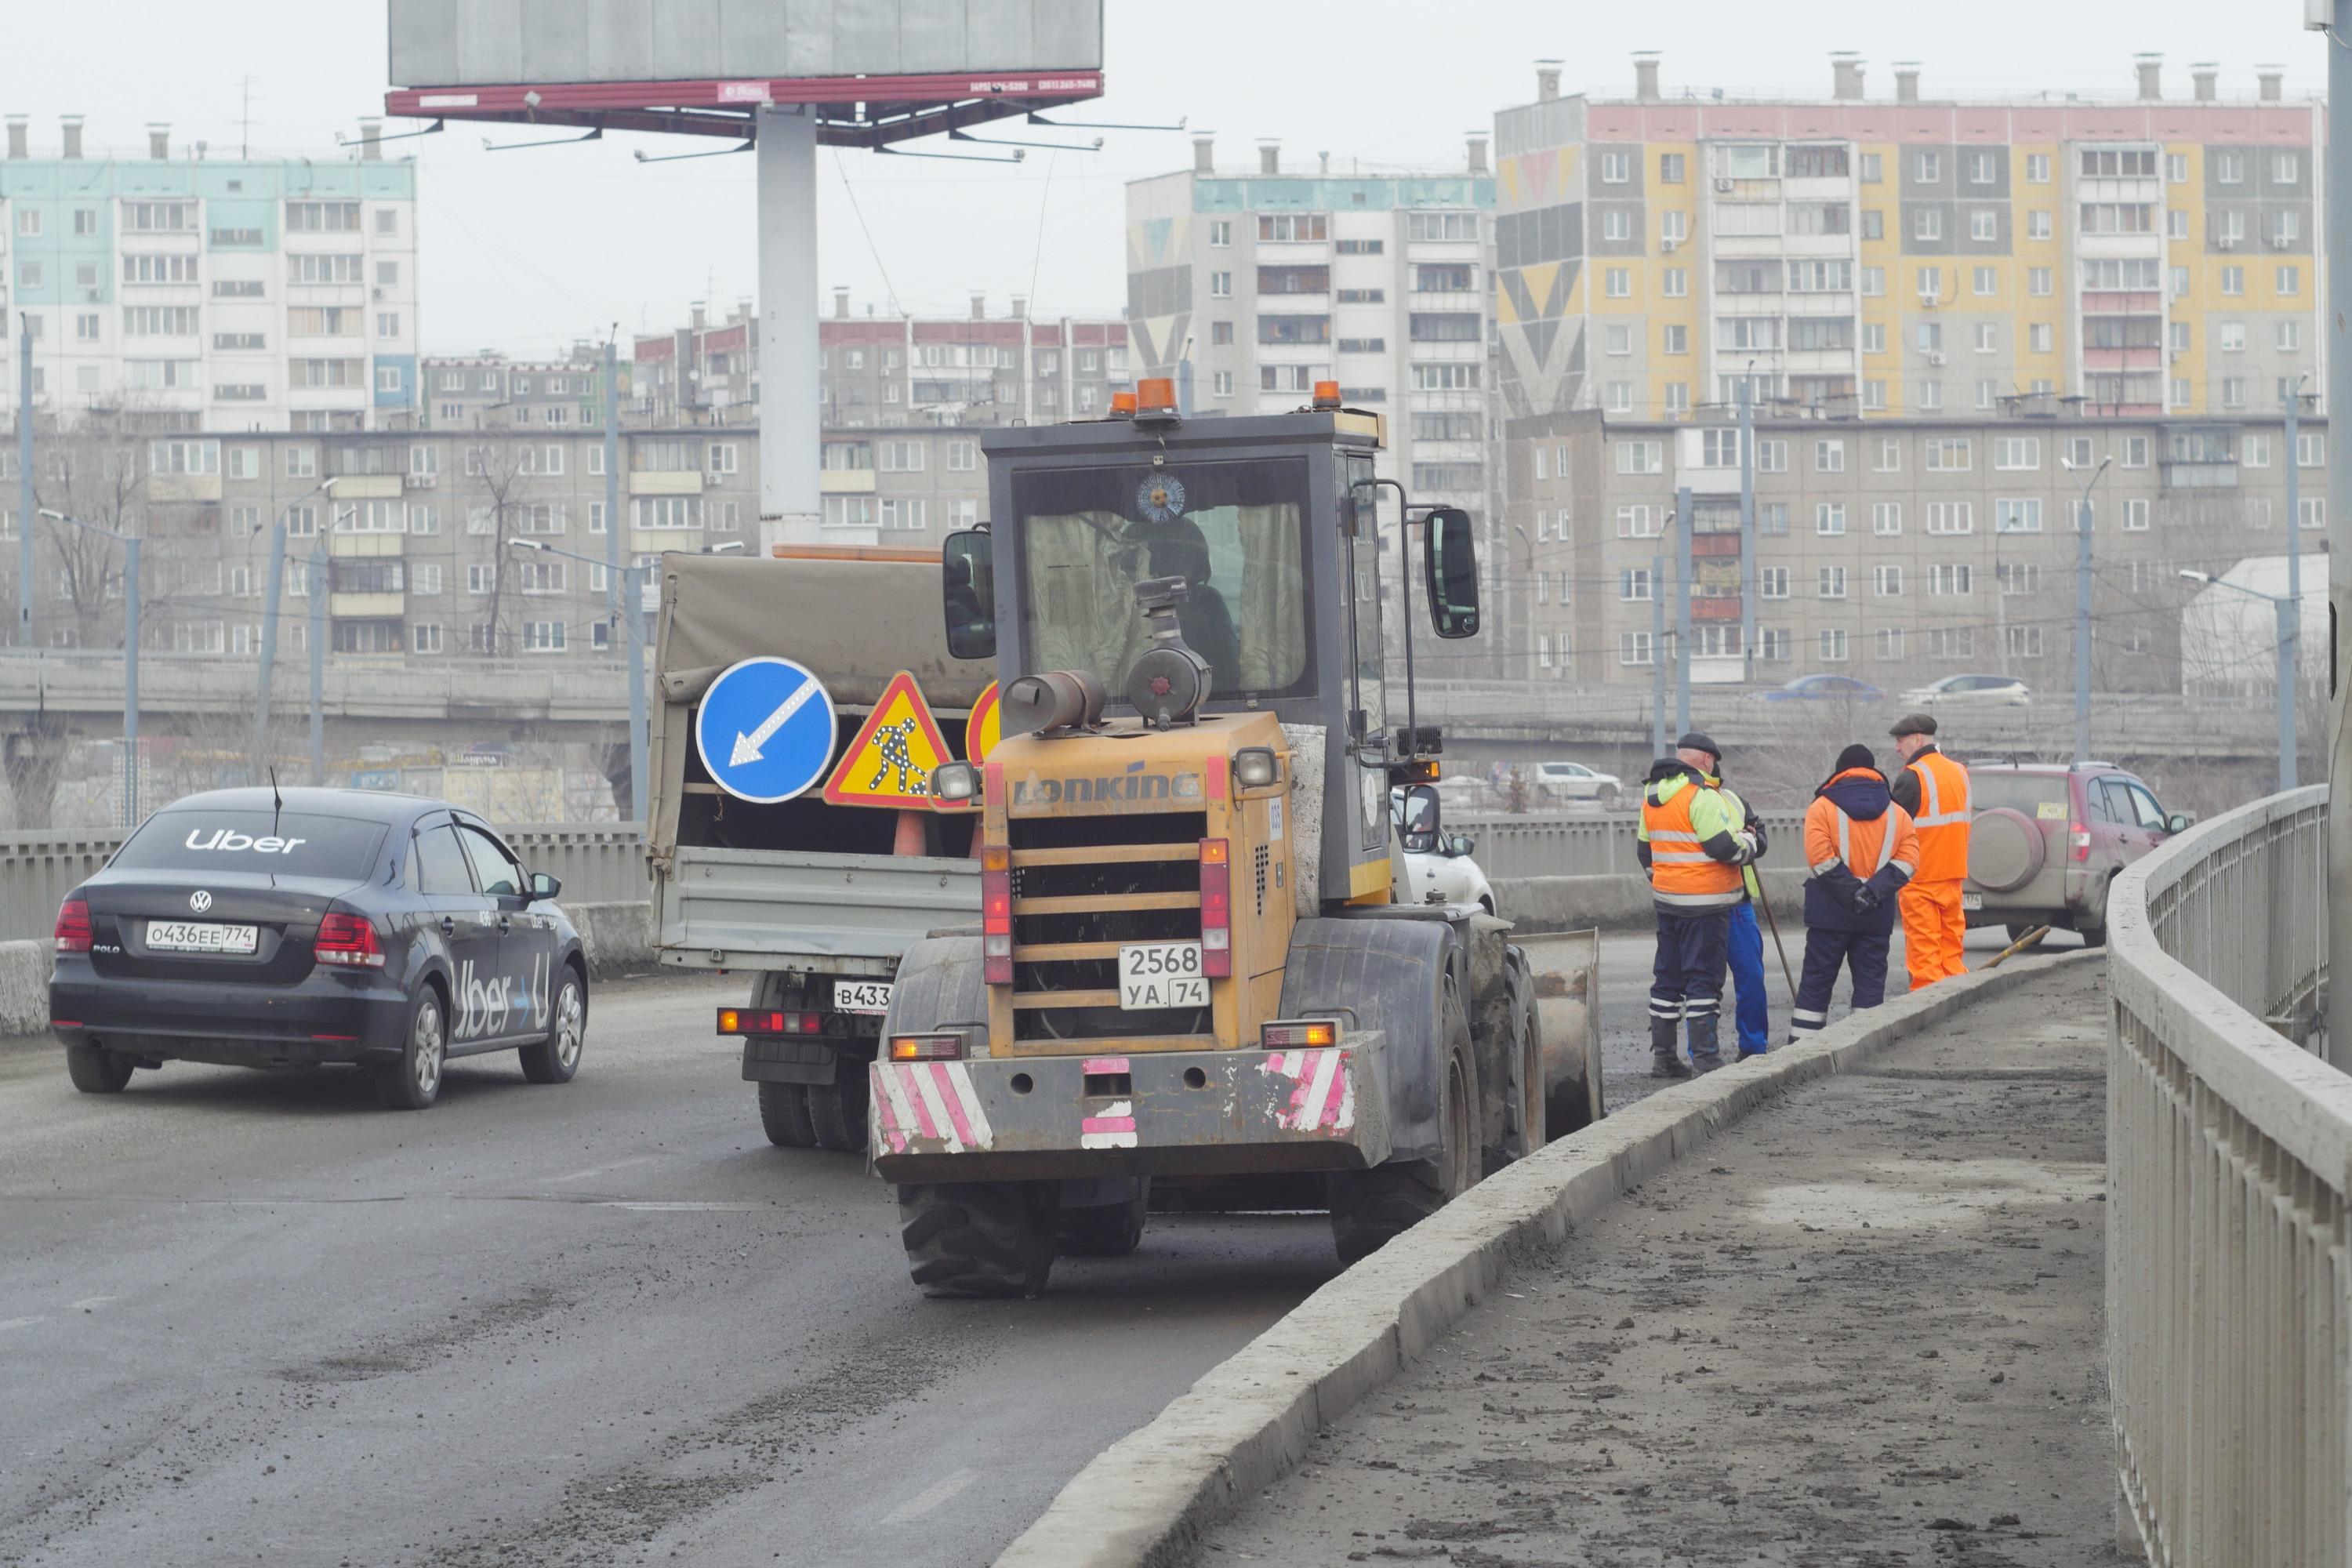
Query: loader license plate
195, 936
1971, 901
861, 996
1161, 974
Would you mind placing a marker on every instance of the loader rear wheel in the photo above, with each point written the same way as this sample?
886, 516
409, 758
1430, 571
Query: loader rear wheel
784, 1115
1372, 1208
1530, 1102
979, 1238
838, 1111
1106, 1230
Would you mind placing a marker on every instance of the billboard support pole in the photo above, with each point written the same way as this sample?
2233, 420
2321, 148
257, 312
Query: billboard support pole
790, 504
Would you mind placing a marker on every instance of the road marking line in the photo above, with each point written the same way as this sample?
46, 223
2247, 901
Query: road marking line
930, 1497
616, 1165
88, 1302
7, 1323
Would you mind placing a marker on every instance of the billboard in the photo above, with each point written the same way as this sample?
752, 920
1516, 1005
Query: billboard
487, 43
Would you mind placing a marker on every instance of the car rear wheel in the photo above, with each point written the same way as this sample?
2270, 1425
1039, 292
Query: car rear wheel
1607, 794
555, 1059
97, 1070
413, 1082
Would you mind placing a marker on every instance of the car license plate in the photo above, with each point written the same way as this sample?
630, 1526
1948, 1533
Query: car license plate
1971, 901
1161, 974
200, 936
861, 996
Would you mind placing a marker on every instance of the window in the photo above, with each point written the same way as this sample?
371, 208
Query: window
1988, 337
1633, 584
2175, 224
2311, 511
2233, 392
1931, 284
1947, 455
2016, 577
669, 512
1435, 226
159, 320
1772, 582
1772, 456
543, 637
1829, 582
322, 217
1670, 168
2039, 337
1828, 518
184, 457
903, 512
1873, 168
1220, 285
1931, 168
1618, 337
2176, 282
1221, 233
1616, 224
1951, 581
301, 462
1951, 517
1873, 283
2037, 225
1618, 283
1886, 518
2134, 452
1221, 333
1874, 223
2017, 452
848, 512
1634, 648
1638, 522
2290, 337
1640, 457
896, 456
1833, 645
424, 518
1887, 581
1615, 168
1676, 339
1829, 457
1674, 283
2038, 282
1927, 222
2017, 515
1889, 456
1984, 225
1435, 378
1874, 337
2286, 168
1221, 383
2290, 280
2234, 280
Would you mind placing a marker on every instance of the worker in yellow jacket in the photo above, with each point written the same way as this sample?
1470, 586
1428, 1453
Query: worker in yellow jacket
1692, 851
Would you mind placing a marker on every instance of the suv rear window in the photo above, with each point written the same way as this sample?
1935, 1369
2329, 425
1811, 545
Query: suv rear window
2026, 792
289, 843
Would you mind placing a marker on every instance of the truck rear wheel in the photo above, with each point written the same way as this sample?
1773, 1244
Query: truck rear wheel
979, 1238
838, 1111
784, 1115
1371, 1208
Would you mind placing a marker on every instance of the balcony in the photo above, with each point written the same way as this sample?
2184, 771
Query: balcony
2142, 359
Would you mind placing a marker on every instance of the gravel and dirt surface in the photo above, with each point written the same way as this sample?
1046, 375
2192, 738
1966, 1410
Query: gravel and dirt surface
1861, 1327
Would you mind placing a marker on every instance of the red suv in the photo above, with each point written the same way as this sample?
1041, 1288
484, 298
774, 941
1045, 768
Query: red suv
2046, 840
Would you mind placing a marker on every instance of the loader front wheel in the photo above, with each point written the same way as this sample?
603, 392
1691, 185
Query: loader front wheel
1371, 1208
979, 1238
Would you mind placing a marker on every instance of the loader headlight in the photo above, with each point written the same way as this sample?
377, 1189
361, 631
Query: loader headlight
955, 781
1254, 767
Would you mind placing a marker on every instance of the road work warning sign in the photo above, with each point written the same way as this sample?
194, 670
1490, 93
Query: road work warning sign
986, 726
890, 761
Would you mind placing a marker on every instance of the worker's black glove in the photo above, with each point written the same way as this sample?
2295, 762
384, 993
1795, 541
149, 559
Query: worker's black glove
1756, 828
1864, 898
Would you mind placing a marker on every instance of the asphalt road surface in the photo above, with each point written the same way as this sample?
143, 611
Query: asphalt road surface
250, 1317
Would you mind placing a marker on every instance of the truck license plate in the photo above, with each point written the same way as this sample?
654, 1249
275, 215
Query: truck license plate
1161, 974
200, 936
861, 996
1971, 901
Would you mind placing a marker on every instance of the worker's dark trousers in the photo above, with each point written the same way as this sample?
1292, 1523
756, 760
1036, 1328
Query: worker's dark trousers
1686, 975
1862, 951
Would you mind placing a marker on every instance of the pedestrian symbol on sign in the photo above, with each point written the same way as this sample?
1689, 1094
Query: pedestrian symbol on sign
890, 761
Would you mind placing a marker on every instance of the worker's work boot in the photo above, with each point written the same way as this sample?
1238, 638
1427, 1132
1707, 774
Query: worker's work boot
1706, 1056
1665, 1056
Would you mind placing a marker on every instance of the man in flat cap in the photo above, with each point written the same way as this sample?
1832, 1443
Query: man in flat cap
1693, 849
1934, 789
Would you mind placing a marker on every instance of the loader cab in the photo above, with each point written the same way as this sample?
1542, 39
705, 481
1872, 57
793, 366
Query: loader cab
1293, 590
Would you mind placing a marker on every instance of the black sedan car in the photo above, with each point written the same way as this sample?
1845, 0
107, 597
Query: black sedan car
252, 928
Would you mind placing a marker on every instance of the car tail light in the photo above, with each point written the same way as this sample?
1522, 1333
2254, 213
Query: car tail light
2078, 838
769, 1021
996, 914
1216, 909
73, 926
348, 940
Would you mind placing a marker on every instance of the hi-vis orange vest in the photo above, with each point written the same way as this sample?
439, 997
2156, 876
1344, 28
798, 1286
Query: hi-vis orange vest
1943, 819
1683, 876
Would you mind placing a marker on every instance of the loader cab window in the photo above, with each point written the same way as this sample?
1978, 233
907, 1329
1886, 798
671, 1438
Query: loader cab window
1364, 625
1234, 531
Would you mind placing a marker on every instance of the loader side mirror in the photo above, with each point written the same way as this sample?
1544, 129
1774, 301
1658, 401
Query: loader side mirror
1450, 564
968, 593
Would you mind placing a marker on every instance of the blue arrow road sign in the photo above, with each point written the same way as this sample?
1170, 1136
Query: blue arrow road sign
766, 730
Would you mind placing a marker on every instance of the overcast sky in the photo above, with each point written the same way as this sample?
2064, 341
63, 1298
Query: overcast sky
525, 250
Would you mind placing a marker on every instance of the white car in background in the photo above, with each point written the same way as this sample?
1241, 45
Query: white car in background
1574, 780
1971, 689
1437, 865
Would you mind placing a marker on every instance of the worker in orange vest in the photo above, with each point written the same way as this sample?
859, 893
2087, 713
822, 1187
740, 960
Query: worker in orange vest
1935, 790
1860, 852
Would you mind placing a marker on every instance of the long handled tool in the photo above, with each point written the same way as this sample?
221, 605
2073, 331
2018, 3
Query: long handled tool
1766, 905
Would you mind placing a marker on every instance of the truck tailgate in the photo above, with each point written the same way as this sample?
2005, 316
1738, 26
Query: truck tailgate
730, 906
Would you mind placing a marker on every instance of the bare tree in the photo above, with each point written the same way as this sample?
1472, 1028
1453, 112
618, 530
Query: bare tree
501, 472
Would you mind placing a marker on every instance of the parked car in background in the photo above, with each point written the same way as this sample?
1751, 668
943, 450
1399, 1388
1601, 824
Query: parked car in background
1574, 780
1437, 864
1971, 689
2045, 842
1825, 688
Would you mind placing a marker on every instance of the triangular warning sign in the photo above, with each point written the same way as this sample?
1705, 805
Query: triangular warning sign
890, 761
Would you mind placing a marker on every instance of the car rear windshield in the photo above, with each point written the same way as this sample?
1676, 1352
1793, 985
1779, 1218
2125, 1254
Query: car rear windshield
2028, 793
286, 844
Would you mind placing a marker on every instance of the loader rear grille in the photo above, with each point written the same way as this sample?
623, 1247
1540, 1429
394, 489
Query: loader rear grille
1082, 886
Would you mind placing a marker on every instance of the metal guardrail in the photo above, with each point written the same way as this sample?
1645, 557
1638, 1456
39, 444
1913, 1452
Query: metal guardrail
1596, 845
598, 863
2230, 1187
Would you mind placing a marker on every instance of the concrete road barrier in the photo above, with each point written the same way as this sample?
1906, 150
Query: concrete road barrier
1572, 903
1144, 1500
24, 986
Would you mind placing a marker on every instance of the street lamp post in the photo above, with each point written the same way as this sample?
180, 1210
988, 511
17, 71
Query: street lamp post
2289, 609
2082, 613
632, 580
317, 576
272, 591
130, 543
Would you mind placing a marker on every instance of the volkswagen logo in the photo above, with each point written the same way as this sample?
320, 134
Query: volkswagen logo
200, 901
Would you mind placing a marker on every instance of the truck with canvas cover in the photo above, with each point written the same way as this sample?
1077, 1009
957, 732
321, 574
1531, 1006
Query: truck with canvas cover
817, 902
1193, 967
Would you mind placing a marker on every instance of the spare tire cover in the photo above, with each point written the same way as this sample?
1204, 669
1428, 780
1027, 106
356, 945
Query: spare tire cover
2006, 849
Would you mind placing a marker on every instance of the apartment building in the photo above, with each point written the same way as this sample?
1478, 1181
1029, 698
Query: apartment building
491, 391
1908, 258
1894, 549
223, 294
418, 540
